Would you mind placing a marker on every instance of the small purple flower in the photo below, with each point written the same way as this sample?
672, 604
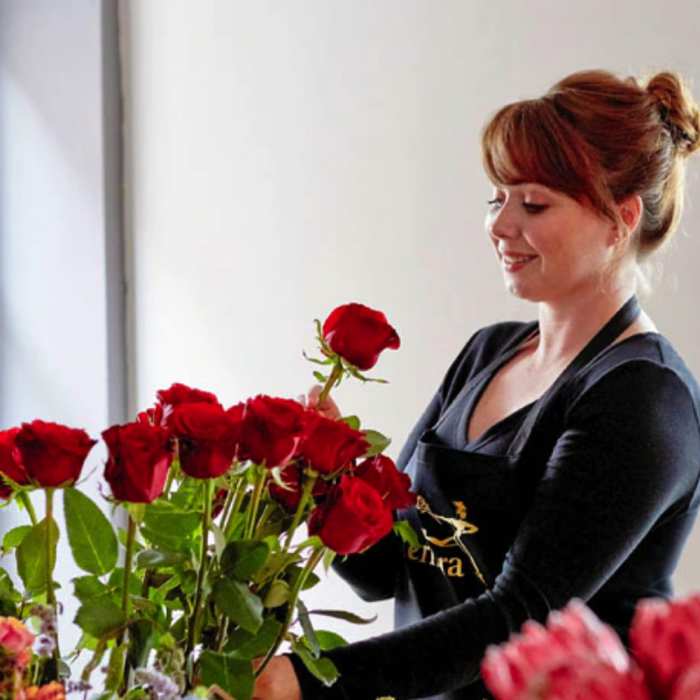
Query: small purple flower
160, 686
44, 645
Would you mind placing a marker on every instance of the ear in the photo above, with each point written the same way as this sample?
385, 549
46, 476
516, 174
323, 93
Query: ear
630, 211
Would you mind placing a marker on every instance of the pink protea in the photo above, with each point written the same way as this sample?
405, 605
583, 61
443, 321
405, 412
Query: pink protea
573, 643
688, 685
665, 641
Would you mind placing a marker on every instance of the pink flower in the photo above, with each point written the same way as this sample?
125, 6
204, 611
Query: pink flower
15, 638
575, 644
688, 685
665, 640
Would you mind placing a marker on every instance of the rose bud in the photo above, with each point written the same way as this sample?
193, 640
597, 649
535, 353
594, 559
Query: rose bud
53, 455
393, 485
14, 636
330, 445
138, 461
207, 439
179, 394
359, 334
272, 430
665, 640
10, 462
352, 518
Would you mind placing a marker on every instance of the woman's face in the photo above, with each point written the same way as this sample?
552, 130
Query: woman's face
550, 247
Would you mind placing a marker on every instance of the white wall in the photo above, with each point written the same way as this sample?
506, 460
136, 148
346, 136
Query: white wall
285, 157
57, 264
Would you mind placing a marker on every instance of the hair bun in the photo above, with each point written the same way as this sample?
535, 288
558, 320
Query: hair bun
677, 109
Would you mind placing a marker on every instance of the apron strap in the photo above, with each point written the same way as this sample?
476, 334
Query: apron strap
527, 332
617, 325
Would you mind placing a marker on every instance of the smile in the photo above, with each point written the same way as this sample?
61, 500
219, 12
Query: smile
513, 263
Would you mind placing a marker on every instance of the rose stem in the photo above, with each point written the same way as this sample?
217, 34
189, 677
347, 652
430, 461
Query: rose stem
128, 562
330, 382
258, 486
306, 490
50, 593
229, 521
310, 565
206, 522
27, 503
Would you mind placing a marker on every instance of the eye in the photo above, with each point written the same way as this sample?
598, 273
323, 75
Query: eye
495, 203
533, 208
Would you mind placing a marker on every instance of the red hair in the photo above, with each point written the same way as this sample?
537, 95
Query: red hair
601, 139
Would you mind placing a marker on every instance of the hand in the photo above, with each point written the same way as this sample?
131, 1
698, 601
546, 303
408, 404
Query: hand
328, 408
277, 682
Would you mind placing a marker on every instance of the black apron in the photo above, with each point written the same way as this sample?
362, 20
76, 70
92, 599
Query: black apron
470, 504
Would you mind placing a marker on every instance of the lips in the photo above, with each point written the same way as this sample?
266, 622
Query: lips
512, 262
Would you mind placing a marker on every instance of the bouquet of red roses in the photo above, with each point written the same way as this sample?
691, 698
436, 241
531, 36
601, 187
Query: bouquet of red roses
577, 657
207, 573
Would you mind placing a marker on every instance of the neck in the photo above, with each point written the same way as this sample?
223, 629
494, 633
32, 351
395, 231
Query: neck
567, 325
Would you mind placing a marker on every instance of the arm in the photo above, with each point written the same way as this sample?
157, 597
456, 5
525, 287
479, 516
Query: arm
629, 453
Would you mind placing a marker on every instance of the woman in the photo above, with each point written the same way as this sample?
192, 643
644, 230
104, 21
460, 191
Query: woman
561, 458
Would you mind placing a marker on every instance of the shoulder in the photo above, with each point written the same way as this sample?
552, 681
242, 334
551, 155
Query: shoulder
645, 367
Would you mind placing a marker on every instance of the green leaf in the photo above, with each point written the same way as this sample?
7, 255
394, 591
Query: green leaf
278, 594
158, 558
141, 638
238, 603
168, 527
36, 556
243, 559
329, 640
344, 615
99, 617
13, 538
232, 675
352, 421
405, 531
309, 631
377, 442
92, 539
324, 669
320, 377
244, 645
87, 587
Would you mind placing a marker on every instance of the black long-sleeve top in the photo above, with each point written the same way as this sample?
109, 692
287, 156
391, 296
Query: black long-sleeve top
596, 505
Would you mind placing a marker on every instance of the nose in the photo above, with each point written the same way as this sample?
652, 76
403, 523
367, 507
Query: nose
502, 223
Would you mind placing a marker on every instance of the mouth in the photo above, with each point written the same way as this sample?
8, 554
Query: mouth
513, 263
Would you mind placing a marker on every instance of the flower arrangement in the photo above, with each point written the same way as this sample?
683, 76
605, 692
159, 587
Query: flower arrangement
203, 584
577, 657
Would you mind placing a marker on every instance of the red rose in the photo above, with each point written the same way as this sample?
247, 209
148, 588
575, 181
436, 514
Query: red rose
289, 497
179, 394
10, 462
151, 416
393, 485
138, 461
52, 454
573, 640
352, 518
272, 430
359, 334
330, 445
665, 640
207, 439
